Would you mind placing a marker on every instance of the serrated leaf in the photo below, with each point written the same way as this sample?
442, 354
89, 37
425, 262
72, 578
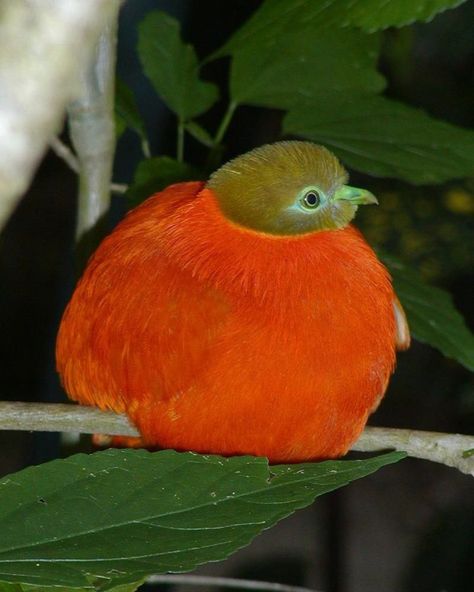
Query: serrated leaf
274, 18
125, 514
311, 68
431, 314
172, 66
283, 56
373, 15
154, 174
386, 138
127, 114
295, 55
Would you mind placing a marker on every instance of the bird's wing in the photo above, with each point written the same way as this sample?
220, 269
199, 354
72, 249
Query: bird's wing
402, 334
138, 328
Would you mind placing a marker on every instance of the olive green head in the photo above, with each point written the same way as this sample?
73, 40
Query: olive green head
287, 188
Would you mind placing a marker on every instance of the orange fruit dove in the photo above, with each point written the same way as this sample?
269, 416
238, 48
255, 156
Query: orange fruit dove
245, 315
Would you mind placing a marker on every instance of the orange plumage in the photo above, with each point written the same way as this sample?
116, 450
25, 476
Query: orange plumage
218, 338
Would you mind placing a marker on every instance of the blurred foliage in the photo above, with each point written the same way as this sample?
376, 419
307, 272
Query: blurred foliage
431, 314
128, 116
428, 227
154, 174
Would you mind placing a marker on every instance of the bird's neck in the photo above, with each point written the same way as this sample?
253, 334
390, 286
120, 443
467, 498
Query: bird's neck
248, 263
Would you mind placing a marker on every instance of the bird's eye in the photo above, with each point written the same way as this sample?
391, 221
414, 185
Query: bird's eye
311, 199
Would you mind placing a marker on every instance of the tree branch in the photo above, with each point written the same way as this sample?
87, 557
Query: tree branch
453, 450
65, 153
237, 583
39, 78
92, 129
59, 417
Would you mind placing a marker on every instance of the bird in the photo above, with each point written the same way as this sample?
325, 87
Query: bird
244, 315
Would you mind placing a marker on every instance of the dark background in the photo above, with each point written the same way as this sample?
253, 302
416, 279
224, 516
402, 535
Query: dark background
411, 526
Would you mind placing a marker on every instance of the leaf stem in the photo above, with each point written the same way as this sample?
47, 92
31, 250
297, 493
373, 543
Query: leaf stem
225, 123
180, 141
447, 449
145, 146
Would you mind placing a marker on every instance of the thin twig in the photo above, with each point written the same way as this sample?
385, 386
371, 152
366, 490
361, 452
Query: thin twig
66, 154
448, 449
118, 187
229, 114
180, 141
192, 580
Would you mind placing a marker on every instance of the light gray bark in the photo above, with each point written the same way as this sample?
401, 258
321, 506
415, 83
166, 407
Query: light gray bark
45, 46
92, 129
448, 449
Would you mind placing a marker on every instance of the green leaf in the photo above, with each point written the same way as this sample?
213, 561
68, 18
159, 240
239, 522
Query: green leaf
283, 56
311, 68
387, 139
124, 514
431, 314
274, 19
127, 114
172, 67
6, 587
295, 55
373, 15
154, 174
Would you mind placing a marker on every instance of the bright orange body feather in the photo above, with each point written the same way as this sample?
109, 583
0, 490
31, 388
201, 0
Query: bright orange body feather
221, 339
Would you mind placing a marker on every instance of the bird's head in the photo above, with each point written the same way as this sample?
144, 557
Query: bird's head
287, 188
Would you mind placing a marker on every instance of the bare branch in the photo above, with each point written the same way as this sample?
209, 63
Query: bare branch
192, 580
52, 417
118, 188
448, 449
39, 78
66, 154
452, 450
92, 129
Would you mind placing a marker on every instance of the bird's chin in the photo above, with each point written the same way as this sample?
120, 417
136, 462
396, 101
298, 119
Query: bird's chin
328, 217
342, 213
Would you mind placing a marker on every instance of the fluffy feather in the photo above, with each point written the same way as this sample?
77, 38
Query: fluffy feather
221, 339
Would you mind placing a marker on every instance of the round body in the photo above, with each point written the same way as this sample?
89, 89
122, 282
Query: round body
220, 339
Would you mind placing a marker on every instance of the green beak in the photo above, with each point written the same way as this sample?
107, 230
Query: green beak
355, 196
